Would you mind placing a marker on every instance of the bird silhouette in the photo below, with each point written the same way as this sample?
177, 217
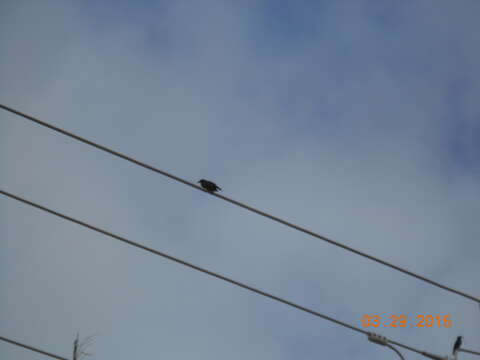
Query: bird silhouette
457, 345
209, 185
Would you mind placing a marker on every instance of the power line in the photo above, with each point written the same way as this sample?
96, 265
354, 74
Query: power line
32, 348
159, 253
469, 351
274, 218
205, 271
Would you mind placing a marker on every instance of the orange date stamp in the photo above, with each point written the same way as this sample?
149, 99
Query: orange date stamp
403, 321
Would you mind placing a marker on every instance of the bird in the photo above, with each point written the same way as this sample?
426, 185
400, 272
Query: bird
209, 185
457, 345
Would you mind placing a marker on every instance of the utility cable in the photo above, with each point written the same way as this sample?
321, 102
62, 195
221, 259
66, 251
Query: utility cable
394, 349
198, 268
284, 222
31, 348
469, 351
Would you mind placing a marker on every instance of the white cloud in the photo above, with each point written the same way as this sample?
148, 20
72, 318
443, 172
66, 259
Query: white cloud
345, 132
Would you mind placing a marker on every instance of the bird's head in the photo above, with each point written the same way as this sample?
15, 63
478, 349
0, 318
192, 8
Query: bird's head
200, 181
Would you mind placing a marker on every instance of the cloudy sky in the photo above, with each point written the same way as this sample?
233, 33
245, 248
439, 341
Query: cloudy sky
359, 120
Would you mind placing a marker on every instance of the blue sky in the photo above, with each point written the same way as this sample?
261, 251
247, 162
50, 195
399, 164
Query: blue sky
356, 119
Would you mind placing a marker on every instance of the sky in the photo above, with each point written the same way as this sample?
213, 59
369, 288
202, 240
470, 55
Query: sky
358, 120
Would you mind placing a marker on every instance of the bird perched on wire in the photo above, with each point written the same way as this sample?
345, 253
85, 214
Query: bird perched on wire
209, 185
457, 345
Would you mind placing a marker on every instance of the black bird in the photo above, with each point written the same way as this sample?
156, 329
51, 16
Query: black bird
457, 345
209, 186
